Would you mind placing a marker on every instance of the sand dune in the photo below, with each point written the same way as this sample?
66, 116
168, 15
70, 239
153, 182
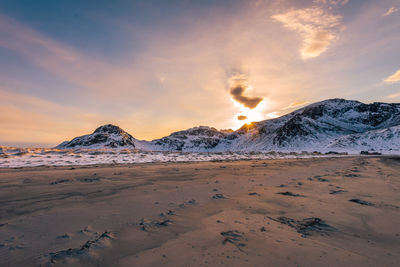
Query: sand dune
292, 212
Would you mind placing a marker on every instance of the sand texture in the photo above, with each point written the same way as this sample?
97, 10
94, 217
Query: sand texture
292, 212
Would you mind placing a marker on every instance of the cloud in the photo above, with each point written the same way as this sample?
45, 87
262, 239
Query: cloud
272, 115
390, 11
241, 117
332, 2
395, 78
239, 85
65, 62
317, 27
296, 104
26, 118
396, 95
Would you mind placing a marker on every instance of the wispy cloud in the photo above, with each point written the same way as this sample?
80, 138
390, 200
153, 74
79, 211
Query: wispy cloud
390, 11
272, 115
395, 78
396, 95
332, 2
32, 119
317, 27
296, 104
64, 61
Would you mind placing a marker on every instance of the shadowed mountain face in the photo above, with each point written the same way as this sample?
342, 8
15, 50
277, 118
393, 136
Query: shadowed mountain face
200, 138
106, 136
336, 117
325, 125
317, 125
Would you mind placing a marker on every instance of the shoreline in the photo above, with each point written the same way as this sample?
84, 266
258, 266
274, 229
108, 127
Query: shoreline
287, 157
105, 165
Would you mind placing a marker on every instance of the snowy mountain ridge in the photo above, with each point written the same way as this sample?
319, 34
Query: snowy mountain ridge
106, 136
334, 124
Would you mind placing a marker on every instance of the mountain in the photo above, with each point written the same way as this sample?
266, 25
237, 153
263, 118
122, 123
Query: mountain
317, 125
334, 124
387, 139
196, 139
106, 136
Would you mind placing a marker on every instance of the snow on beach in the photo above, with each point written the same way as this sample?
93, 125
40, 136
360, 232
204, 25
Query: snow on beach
11, 157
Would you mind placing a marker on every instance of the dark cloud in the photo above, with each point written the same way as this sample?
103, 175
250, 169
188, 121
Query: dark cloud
237, 92
241, 117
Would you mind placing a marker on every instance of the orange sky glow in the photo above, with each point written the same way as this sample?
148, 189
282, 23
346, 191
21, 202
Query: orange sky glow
153, 72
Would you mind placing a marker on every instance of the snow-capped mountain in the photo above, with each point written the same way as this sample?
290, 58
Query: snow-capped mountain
195, 139
387, 140
340, 124
106, 136
317, 125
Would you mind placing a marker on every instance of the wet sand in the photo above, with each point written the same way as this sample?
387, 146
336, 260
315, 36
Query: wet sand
298, 212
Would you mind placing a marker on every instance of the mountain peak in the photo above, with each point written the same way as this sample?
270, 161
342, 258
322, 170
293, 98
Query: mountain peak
109, 128
106, 136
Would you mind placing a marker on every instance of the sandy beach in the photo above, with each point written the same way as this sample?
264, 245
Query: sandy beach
341, 211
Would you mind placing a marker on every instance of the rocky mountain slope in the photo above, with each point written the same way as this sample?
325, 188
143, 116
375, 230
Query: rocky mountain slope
334, 124
195, 139
106, 136
317, 125
387, 140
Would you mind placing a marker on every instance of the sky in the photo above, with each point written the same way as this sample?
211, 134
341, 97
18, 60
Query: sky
155, 67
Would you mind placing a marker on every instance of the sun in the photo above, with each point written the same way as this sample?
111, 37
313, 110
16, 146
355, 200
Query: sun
246, 115
251, 115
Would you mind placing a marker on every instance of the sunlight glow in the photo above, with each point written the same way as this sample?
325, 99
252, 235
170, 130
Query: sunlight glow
253, 115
